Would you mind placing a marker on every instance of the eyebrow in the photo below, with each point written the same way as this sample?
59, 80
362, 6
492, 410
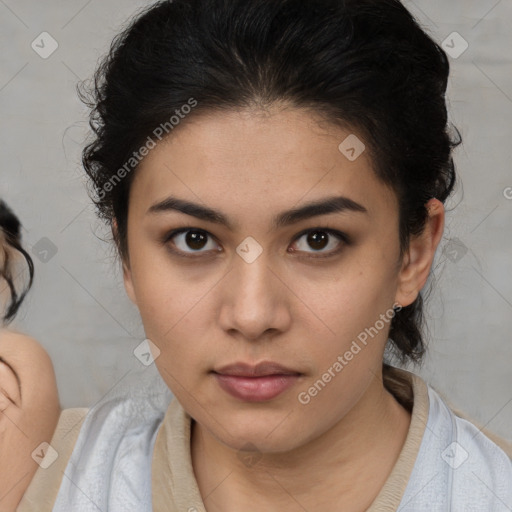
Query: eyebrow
335, 204
2, 360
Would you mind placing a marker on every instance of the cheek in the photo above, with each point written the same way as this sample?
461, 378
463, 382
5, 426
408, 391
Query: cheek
161, 295
347, 359
172, 309
363, 291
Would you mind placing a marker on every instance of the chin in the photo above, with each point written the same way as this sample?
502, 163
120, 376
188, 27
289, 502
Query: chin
259, 444
266, 434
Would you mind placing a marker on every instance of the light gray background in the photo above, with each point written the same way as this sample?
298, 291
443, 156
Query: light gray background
78, 308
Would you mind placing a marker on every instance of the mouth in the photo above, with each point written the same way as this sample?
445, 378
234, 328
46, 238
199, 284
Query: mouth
256, 383
262, 369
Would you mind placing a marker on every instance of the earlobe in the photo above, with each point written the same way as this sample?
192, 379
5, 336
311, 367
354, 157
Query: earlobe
419, 256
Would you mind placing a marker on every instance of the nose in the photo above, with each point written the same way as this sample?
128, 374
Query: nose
255, 300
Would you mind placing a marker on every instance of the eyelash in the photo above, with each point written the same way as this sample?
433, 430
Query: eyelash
342, 237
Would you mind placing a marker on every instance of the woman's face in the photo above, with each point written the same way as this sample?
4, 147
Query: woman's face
241, 287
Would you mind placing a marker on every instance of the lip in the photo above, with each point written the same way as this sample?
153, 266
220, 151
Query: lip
259, 370
258, 383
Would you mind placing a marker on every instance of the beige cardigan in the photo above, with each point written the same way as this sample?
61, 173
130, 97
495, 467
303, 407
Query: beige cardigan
174, 487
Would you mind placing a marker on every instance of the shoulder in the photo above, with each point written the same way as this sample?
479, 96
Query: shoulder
12, 339
485, 446
105, 452
111, 459
488, 467
29, 358
458, 465
30, 410
54, 457
466, 422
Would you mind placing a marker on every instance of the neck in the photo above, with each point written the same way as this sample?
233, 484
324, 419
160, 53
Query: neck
351, 461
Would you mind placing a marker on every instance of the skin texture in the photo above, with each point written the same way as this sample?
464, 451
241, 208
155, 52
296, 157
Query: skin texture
27, 419
286, 306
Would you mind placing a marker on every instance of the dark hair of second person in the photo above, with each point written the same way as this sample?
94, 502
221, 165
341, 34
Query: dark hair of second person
10, 251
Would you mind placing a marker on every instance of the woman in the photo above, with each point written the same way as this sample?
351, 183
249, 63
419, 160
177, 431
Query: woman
29, 405
274, 174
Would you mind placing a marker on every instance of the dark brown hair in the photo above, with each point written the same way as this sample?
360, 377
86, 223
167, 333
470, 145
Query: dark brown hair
360, 63
10, 240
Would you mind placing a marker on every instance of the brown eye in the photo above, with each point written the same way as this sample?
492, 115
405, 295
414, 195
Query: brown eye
190, 241
320, 239
195, 240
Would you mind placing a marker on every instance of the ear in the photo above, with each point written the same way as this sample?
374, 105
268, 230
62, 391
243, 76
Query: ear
419, 256
127, 273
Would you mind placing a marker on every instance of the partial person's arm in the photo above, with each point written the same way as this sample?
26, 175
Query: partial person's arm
29, 412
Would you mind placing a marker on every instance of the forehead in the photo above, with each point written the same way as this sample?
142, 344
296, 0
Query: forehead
271, 157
